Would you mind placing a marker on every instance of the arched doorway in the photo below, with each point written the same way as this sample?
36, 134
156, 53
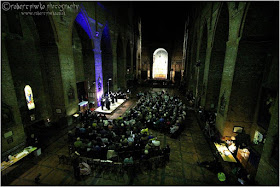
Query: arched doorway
160, 64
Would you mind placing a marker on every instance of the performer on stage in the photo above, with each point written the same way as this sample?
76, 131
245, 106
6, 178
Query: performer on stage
102, 102
116, 97
112, 99
107, 102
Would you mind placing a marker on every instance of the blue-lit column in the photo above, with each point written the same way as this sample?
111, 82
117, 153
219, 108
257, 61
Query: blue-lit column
93, 29
98, 60
98, 75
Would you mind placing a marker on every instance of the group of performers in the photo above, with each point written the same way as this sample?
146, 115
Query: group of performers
112, 98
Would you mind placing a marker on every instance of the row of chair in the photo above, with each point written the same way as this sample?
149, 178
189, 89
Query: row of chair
108, 169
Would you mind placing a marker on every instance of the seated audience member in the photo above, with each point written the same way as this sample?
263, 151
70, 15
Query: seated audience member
71, 137
106, 122
173, 129
96, 151
78, 144
130, 139
82, 129
128, 160
151, 136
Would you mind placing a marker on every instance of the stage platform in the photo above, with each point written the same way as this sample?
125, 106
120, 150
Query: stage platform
112, 107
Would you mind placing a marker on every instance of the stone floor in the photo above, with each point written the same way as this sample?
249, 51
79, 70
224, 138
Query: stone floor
182, 169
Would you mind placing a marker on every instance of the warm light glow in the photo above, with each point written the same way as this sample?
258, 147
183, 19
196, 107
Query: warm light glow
160, 64
76, 115
224, 152
245, 153
258, 137
29, 97
232, 147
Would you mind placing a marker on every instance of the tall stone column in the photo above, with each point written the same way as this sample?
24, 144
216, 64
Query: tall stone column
121, 73
67, 68
121, 67
68, 75
98, 75
236, 21
206, 72
267, 174
210, 40
151, 65
115, 67
197, 68
226, 84
11, 118
191, 82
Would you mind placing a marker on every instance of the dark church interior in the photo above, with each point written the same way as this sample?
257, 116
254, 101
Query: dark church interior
140, 93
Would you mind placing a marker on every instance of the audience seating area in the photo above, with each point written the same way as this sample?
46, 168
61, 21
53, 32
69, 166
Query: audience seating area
119, 144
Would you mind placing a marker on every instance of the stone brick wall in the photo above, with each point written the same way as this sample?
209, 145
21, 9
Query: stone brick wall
268, 169
10, 116
26, 70
51, 56
217, 60
78, 55
242, 61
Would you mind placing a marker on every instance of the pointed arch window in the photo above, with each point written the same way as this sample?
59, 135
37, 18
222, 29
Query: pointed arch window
160, 64
29, 97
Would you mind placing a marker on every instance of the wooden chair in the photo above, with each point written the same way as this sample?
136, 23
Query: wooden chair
107, 168
96, 167
118, 170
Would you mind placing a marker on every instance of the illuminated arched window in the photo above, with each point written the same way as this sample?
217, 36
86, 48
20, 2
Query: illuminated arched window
160, 64
29, 97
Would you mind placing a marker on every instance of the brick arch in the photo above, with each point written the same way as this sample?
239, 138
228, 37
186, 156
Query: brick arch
88, 24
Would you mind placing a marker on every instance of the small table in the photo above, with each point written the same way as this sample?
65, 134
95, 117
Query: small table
17, 157
222, 150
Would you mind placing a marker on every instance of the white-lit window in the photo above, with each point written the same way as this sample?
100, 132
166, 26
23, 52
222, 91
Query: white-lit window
29, 97
160, 64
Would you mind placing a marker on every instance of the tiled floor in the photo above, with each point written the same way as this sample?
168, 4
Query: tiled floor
182, 169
